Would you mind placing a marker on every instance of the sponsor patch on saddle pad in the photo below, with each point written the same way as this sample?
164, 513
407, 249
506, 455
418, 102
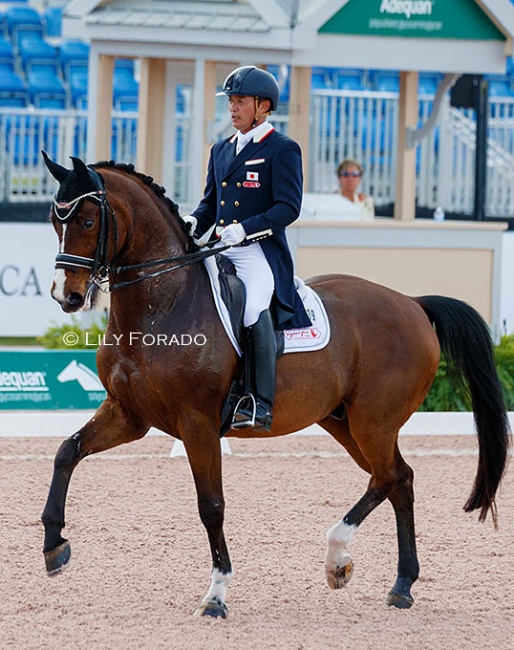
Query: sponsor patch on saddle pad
305, 339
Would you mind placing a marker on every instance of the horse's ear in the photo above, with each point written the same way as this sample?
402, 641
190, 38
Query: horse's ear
57, 171
81, 170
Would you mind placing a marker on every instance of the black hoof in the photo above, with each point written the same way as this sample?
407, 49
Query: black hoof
400, 601
213, 608
57, 559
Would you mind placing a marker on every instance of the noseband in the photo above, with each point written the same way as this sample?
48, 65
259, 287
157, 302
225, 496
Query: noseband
99, 264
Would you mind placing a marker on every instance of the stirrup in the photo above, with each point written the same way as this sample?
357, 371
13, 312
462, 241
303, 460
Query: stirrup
245, 422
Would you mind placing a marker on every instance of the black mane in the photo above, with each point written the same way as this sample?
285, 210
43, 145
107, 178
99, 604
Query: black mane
158, 190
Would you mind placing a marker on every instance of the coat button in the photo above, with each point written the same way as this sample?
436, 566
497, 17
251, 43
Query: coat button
239, 184
236, 203
222, 202
222, 222
224, 184
235, 221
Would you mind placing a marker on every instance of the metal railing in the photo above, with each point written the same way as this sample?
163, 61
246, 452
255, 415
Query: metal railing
363, 125
344, 124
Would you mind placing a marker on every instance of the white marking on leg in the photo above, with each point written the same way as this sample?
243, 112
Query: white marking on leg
338, 561
219, 585
60, 274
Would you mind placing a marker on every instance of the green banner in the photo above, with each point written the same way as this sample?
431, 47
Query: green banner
457, 19
49, 380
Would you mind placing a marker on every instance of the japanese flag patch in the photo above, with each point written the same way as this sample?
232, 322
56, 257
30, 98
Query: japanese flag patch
252, 176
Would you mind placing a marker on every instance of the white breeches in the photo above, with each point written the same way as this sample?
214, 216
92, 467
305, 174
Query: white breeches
255, 272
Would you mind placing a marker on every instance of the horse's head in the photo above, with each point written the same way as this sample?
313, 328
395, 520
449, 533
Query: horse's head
85, 225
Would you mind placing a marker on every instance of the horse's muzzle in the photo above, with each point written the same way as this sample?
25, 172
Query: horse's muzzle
72, 302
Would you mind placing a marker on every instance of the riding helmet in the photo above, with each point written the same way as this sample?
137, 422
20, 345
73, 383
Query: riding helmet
252, 81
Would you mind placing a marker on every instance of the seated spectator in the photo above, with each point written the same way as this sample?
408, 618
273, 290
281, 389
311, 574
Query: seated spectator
355, 204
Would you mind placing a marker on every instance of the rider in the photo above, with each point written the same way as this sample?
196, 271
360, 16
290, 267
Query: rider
254, 184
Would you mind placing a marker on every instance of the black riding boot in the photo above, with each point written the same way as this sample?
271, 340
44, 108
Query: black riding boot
263, 360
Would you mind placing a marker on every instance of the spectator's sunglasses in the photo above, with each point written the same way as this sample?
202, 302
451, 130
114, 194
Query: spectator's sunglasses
354, 174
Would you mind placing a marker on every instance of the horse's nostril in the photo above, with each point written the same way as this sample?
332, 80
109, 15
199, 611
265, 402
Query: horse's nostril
74, 299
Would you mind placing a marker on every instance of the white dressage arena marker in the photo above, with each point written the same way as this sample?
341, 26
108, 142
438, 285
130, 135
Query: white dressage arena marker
178, 448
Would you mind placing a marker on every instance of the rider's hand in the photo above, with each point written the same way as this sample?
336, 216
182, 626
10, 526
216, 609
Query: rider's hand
191, 222
233, 234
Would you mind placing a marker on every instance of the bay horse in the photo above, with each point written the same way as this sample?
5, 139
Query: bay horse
113, 223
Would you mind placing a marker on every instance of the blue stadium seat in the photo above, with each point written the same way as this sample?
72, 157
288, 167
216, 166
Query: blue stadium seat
53, 22
125, 94
6, 55
74, 57
320, 79
124, 68
78, 89
36, 54
500, 88
428, 83
349, 79
46, 90
385, 80
21, 22
13, 91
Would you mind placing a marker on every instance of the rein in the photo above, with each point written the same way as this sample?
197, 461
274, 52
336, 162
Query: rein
185, 260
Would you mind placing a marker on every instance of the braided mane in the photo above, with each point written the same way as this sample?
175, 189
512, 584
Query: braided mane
158, 190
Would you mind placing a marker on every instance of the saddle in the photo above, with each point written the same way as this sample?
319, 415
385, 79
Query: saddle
229, 295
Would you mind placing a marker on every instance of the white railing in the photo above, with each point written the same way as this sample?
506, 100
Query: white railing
25, 132
361, 125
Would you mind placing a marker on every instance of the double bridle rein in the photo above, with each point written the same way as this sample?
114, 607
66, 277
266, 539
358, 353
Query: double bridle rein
99, 265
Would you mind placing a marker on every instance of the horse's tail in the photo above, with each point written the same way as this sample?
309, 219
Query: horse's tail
466, 343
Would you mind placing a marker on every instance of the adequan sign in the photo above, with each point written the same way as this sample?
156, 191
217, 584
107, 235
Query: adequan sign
49, 380
414, 18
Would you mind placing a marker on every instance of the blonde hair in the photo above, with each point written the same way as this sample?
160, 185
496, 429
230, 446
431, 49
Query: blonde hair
349, 162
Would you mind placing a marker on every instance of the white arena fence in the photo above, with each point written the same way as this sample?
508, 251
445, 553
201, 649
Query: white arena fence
344, 124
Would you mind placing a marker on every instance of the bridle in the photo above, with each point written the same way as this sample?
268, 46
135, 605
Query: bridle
100, 265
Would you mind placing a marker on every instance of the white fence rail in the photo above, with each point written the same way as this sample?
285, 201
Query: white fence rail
361, 125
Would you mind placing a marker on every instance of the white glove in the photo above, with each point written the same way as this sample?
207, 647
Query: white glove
192, 222
233, 234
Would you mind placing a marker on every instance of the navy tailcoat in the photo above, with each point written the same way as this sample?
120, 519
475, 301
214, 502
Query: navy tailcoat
261, 188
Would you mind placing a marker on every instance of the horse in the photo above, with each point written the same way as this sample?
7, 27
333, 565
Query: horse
114, 226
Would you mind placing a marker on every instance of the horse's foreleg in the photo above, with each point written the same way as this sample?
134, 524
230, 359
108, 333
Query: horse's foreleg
109, 427
204, 453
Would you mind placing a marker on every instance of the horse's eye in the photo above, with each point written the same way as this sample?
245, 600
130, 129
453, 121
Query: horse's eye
87, 224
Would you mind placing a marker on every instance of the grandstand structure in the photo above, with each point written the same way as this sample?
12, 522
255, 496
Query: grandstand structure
135, 81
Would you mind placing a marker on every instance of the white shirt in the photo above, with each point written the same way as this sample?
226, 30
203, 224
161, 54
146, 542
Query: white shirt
244, 138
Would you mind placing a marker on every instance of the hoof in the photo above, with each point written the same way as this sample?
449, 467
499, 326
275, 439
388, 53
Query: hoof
213, 608
57, 559
340, 576
400, 601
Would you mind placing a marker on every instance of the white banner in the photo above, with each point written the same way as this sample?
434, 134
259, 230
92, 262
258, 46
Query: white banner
27, 253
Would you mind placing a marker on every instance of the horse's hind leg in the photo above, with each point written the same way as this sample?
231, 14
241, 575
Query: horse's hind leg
109, 427
391, 478
402, 499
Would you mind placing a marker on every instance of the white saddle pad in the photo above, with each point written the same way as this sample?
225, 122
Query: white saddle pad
304, 339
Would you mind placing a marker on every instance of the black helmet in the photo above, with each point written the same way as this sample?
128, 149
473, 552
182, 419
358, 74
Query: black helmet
252, 81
